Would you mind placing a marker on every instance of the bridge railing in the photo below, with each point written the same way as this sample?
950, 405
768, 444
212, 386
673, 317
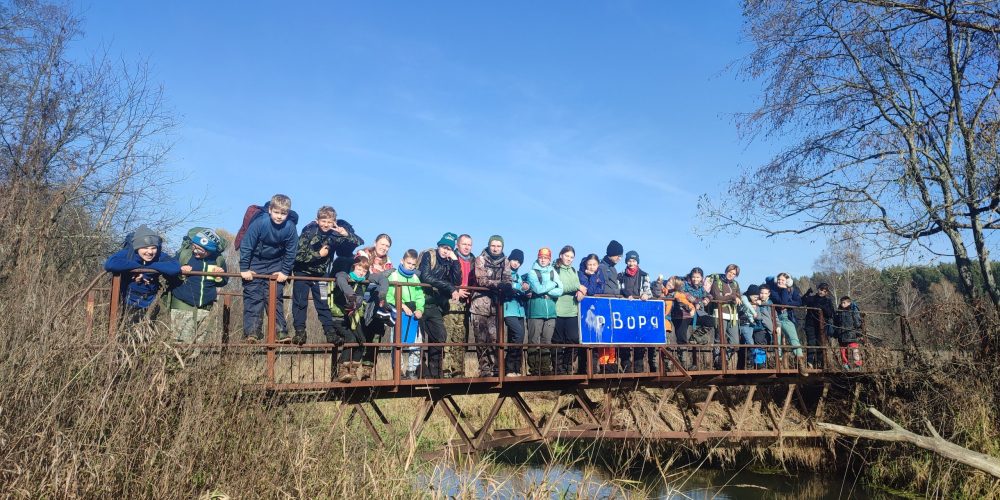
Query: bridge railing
314, 365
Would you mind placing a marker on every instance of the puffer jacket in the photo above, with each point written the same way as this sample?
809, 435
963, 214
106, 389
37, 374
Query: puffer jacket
443, 277
786, 297
545, 289
514, 307
593, 282
493, 275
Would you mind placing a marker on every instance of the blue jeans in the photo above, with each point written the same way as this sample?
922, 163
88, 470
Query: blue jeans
255, 303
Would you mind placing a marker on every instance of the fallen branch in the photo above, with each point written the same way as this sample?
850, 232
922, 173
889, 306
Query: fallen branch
934, 442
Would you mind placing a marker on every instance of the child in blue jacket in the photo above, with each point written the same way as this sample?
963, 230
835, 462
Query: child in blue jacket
268, 247
142, 252
192, 297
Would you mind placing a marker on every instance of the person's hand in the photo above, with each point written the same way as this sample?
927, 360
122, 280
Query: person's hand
583, 289
525, 286
340, 230
450, 254
186, 268
280, 277
418, 314
463, 293
580, 295
246, 275
323, 252
454, 295
407, 310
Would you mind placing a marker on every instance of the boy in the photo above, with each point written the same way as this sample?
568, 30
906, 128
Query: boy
346, 307
819, 303
513, 313
634, 284
440, 269
192, 297
316, 248
268, 247
141, 252
412, 305
847, 326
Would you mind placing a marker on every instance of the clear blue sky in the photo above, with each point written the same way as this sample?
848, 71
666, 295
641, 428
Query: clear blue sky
549, 123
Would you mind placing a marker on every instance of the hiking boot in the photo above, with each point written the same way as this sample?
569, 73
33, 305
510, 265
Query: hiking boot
300, 337
345, 372
802, 366
364, 372
251, 339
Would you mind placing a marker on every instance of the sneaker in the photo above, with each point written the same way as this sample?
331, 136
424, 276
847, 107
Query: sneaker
514, 374
299, 338
284, 338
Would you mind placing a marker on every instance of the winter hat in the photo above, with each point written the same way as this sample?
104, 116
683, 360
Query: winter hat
544, 252
632, 254
145, 237
615, 248
517, 255
495, 237
824, 286
752, 290
207, 239
449, 240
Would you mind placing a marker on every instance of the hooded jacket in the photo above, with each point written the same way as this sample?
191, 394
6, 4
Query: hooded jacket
142, 287
610, 274
635, 286
408, 294
786, 297
815, 301
545, 289
593, 282
197, 291
492, 274
847, 323
514, 307
268, 247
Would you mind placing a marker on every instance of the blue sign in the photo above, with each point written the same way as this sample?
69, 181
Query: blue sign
621, 321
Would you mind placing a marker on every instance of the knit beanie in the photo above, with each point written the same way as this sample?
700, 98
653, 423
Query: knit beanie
145, 237
207, 239
517, 255
615, 248
449, 240
752, 290
632, 254
495, 237
544, 252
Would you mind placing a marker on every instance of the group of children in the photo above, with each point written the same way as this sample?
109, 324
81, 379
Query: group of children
539, 306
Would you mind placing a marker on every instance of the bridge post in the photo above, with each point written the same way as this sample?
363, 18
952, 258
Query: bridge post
114, 306
397, 345
272, 301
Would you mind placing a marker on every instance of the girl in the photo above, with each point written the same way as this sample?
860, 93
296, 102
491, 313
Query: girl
684, 318
784, 294
545, 289
567, 329
592, 283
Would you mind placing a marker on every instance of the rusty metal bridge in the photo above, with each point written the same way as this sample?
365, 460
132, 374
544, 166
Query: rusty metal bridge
707, 401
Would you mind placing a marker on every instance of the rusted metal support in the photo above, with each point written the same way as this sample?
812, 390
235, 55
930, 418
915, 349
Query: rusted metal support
527, 414
477, 437
784, 408
458, 426
821, 404
272, 301
727, 404
115, 305
747, 405
704, 410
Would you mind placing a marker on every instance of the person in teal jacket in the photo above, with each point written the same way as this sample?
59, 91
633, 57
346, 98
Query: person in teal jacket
545, 290
567, 330
513, 314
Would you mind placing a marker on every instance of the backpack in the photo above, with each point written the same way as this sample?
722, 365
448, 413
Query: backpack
433, 252
253, 211
552, 275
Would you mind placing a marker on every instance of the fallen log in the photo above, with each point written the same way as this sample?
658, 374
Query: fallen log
934, 442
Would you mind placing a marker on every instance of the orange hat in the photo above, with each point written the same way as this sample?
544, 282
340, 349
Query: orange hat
545, 252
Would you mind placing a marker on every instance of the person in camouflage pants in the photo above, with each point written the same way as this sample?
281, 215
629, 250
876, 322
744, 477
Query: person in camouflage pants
492, 272
456, 321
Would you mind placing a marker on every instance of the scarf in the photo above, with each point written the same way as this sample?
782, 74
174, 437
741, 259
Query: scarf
355, 277
406, 273
632, 271
493, 261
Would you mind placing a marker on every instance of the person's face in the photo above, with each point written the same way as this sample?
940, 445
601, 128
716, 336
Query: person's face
360, 270
147, 254
278, 215
382, 247
592, 266
464, 246
696, 279
567, 258
544, 260
409, 263
514, 265
823, 292
632, 263
765, 294
844, 304
326, 223
782, 280
496, 248
731, 274
198, 251
755, 299
616, 258
443, 250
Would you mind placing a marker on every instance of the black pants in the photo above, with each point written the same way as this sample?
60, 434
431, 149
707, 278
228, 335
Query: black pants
352, 350
373, 333
681, 326
432, 326
515, 337
813, 340
301, 290
567, 331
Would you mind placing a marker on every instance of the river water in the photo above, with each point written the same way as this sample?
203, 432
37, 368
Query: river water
578, 481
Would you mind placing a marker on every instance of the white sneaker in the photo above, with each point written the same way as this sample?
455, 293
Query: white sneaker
515, 374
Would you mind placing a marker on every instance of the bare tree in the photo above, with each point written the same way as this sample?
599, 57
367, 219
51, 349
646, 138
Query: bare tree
81, 143
892, 111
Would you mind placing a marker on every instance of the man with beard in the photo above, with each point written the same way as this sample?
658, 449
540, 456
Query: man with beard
493, 272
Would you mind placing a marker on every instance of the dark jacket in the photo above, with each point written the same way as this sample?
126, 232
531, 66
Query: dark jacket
343, 248
347, 295
199, 291
593, 282
308, 261
847, 323
824, 304
611, 284
635, 286
140, 289
786, 297
443, 277
268, 247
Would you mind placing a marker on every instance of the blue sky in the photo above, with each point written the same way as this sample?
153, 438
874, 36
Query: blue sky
549, 123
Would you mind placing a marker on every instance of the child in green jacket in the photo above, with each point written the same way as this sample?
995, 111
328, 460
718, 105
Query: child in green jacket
412, 305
